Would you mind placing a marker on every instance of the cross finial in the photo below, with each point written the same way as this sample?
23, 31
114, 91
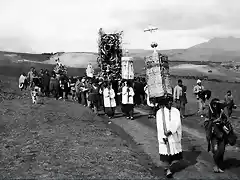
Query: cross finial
152, 29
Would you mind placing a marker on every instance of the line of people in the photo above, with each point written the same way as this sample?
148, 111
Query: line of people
89, 91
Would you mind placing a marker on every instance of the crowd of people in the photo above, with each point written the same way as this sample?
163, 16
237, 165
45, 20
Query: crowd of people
97, 93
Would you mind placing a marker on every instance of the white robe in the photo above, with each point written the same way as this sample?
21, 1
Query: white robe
125, 98
175, 126
109, 98
150, 104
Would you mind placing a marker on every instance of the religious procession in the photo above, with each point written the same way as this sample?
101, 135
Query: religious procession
115, 85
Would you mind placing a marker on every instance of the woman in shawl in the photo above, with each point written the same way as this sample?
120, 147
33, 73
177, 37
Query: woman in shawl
93, 96
127, 100
169, 131
219, 133
64, 87
46, 82
54, 85
109, 100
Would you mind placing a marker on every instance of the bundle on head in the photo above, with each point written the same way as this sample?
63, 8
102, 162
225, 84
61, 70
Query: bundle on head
225, 126
216, 107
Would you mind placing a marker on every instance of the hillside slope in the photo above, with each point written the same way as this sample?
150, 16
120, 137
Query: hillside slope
75, 59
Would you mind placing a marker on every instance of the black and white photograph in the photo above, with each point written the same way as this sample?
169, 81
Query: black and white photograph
120, 89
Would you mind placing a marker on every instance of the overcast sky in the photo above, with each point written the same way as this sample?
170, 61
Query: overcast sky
72, 25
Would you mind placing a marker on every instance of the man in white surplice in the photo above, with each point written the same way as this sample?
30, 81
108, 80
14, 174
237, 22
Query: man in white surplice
109, 100
169, 130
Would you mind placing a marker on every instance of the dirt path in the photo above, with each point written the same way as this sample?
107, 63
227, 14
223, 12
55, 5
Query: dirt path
197, 162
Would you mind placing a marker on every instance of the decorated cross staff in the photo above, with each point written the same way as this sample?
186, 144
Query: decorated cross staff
154, 46
151, 30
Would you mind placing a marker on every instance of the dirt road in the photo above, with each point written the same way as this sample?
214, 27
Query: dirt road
197, 162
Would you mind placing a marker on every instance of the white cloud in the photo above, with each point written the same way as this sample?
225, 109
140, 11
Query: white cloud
72, 25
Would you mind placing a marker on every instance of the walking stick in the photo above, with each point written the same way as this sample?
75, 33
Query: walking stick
109, 94
128, 93
165, 131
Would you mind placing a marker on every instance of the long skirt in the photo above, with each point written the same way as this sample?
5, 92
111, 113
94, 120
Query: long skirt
170, 158
110, 111
127, 109
218, 150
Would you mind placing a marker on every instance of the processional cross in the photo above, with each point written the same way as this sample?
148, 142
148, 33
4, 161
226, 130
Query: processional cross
152, 29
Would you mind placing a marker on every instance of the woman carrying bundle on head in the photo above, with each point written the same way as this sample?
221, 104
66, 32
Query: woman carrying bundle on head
127, 100
219, 132
109, 100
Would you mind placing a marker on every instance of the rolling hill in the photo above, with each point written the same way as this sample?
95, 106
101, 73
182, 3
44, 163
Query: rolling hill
215, 50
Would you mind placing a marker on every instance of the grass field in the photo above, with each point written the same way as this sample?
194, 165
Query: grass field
60, 140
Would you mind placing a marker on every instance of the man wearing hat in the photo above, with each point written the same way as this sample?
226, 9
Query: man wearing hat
197, 90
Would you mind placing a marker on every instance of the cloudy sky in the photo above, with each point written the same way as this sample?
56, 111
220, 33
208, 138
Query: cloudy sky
72, 25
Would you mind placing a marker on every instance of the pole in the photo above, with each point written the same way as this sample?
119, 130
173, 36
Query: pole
165, 130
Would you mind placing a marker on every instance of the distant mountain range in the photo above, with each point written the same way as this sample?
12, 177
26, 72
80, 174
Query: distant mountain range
216, 50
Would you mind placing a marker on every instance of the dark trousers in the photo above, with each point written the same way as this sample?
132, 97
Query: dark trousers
152, 111
63, 93
229, 110
83, 98
218, 150
180, 105
118, 99
46, 90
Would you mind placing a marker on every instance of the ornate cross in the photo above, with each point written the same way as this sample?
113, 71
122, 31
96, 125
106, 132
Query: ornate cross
152, 29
